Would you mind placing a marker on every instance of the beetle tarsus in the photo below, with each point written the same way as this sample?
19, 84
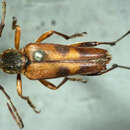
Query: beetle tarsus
77, 79
75, 35
123, 36
30, 104
114, 66
14, 22
120, 66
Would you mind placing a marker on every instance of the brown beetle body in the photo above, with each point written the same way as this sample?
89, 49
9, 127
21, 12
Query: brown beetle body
41, 61
63, 60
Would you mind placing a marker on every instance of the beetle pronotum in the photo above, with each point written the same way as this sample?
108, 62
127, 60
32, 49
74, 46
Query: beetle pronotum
41, 61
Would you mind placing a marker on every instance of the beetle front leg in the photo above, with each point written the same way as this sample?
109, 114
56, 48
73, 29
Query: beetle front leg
51, 32
19, 90
52, 86
95, 43
13, 109
17, 32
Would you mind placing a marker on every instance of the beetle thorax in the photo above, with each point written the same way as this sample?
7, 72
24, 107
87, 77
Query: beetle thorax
12, 61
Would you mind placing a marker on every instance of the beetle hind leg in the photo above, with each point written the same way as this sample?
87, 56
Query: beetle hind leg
114, 66
96, 43
19, 90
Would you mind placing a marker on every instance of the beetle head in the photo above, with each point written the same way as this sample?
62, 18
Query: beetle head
12, 61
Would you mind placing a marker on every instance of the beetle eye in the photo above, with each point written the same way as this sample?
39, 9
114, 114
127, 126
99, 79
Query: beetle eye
39, 55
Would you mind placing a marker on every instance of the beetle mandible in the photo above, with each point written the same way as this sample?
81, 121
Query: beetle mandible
41, 61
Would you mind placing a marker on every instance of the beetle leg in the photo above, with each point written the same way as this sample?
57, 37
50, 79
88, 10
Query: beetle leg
51, 32
3, 16
85, 44
111, 68
95, 43
77, 79
52, 86
17, 32
88, 44
92, 43
13, 109
19, 90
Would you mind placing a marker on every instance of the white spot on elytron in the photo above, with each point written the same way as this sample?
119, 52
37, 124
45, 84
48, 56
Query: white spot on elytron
39, 55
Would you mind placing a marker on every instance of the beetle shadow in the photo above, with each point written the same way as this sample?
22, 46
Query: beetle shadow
103, 103
101, 90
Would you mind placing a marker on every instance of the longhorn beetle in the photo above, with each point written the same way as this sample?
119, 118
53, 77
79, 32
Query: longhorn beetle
41, 61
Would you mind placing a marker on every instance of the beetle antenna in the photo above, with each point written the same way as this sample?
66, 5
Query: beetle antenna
13, 109
3, 16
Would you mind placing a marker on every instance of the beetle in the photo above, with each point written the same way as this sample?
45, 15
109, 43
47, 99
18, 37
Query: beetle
41, 61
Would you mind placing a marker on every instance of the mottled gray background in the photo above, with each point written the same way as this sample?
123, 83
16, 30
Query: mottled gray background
101, 104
